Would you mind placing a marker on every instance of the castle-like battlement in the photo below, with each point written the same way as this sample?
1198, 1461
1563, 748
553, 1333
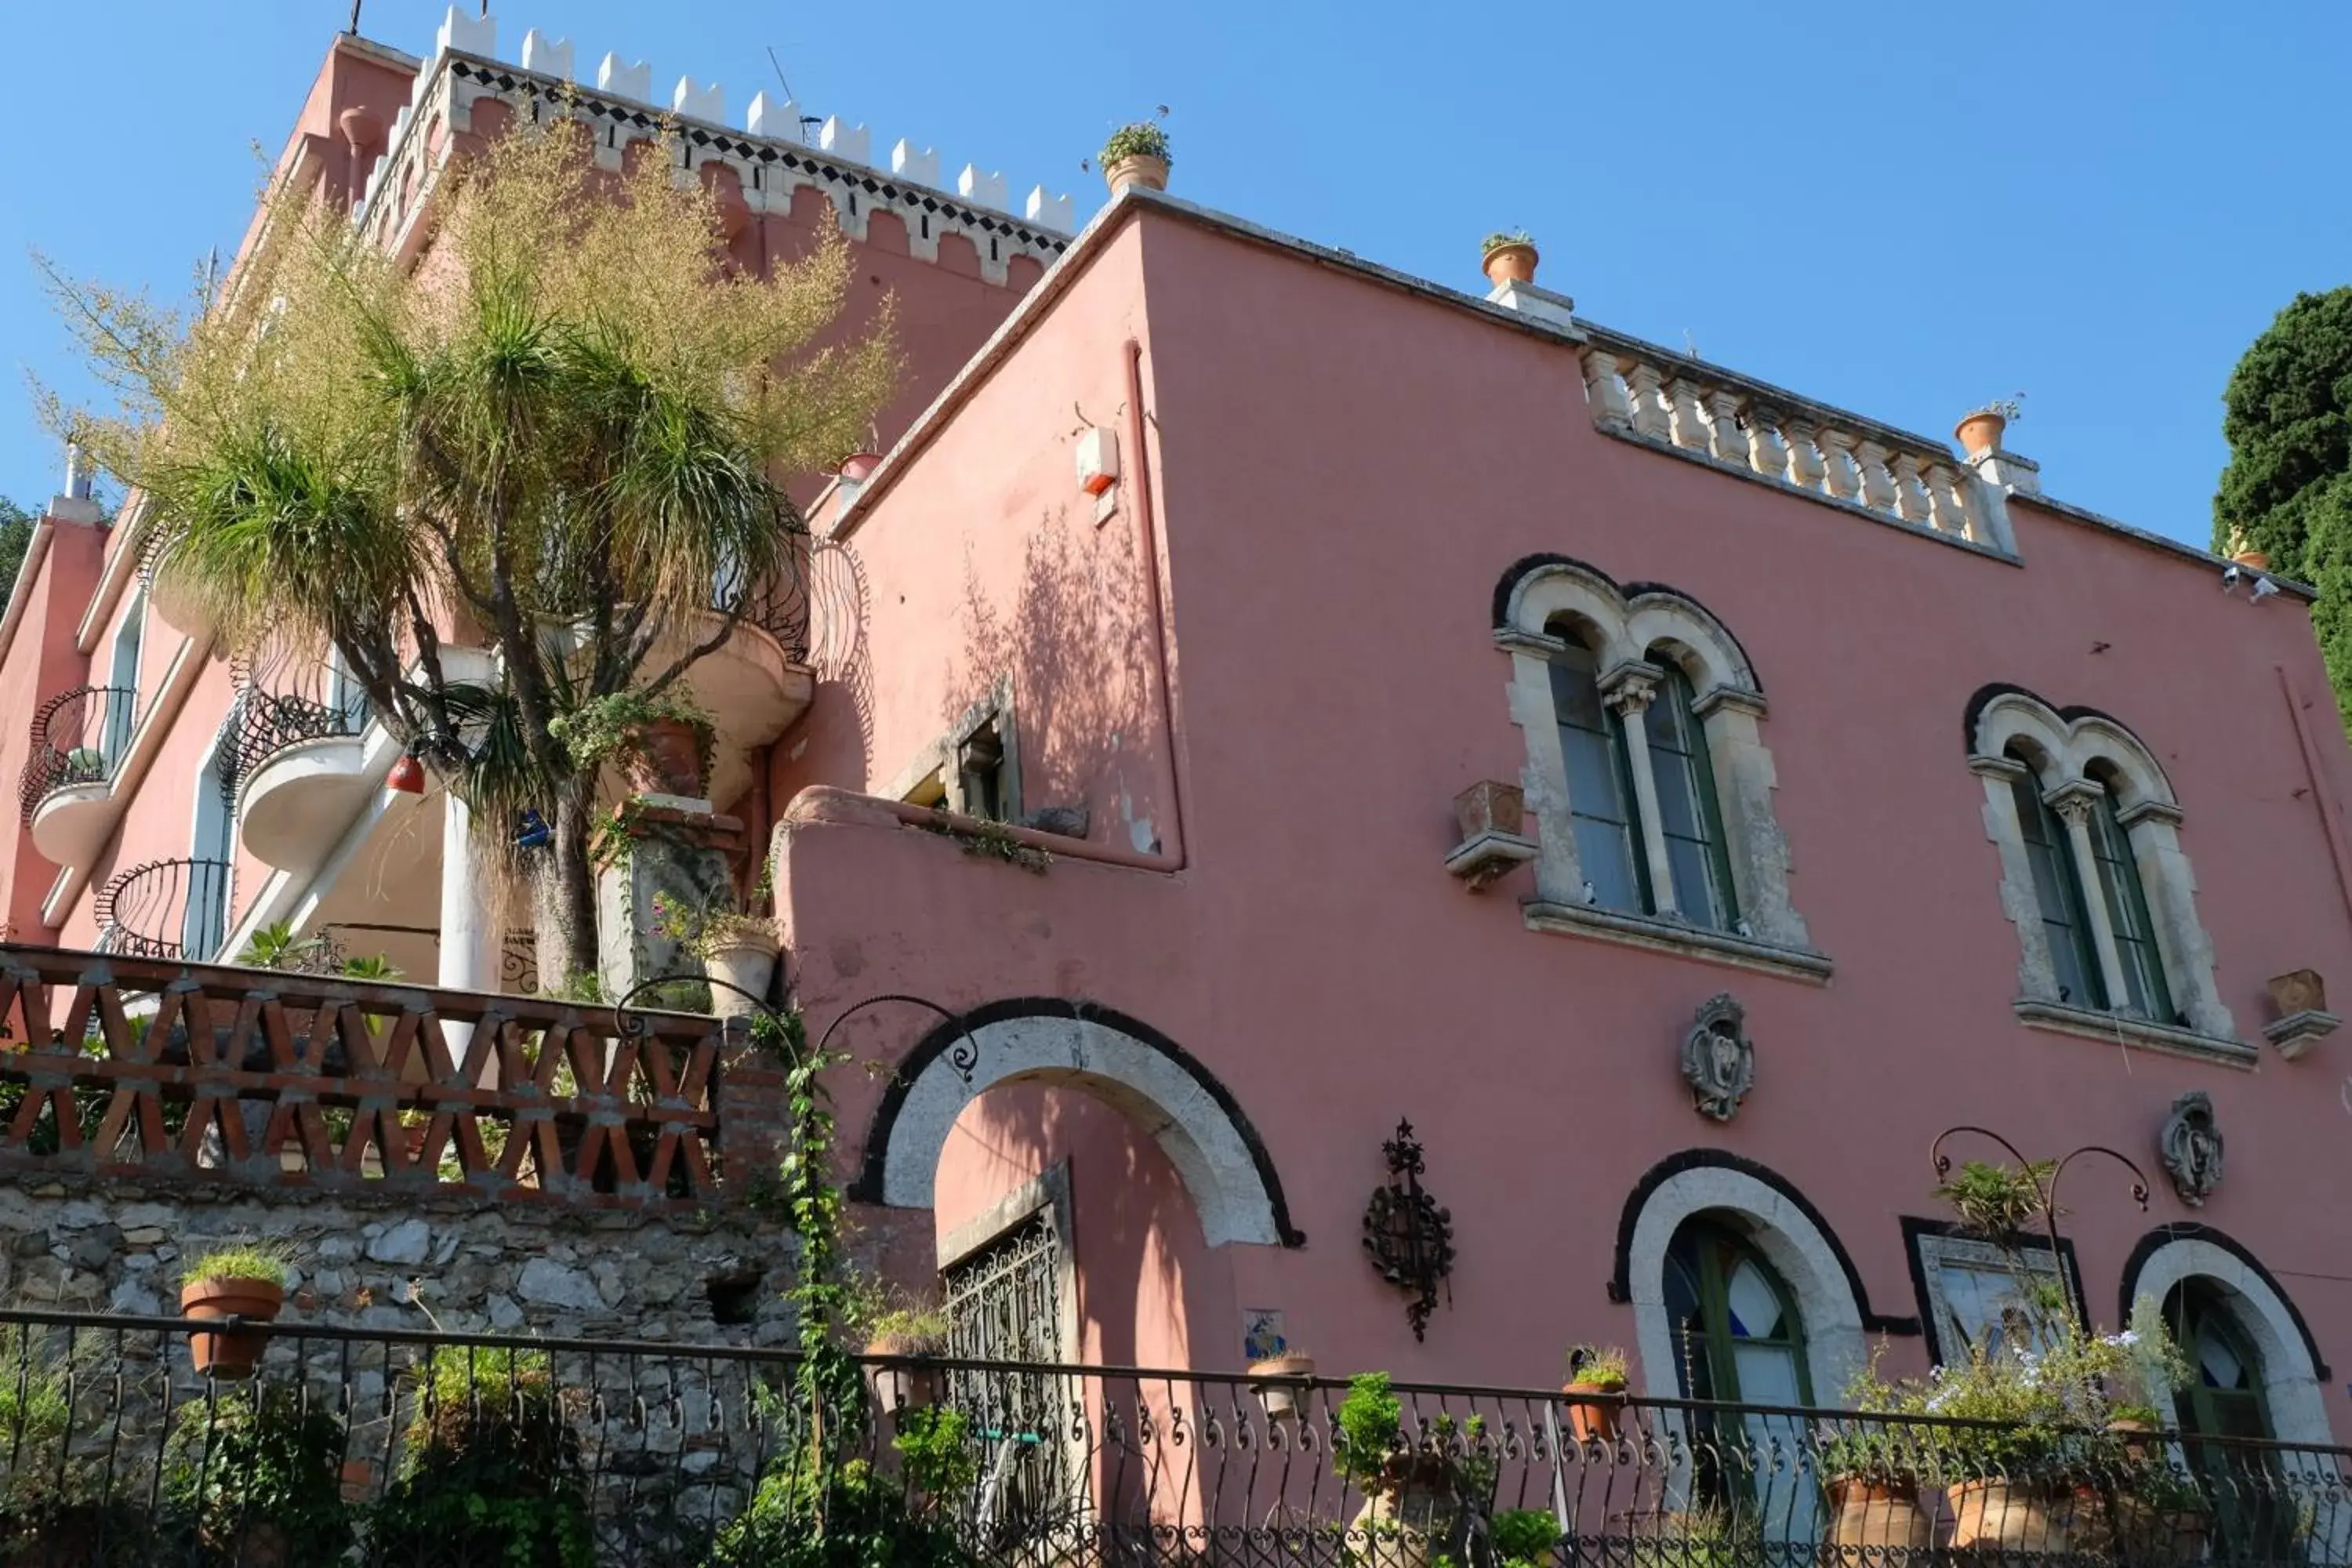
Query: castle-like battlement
773, 156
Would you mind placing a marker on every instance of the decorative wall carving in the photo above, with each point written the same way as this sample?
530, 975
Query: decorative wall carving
2191, 1147
1718, 1059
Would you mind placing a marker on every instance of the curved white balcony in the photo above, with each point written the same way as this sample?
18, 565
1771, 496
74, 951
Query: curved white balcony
71, 822
752, 690
299, 800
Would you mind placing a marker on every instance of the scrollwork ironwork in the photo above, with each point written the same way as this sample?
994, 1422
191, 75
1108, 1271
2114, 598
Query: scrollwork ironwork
1407, 1234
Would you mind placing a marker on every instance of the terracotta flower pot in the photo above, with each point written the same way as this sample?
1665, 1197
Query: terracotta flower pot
857, 465
1980, 432
902, 1387
1409, 1516
668, 758
1490, 806
2301, 991
2259, 560
2009, 1516
2134, 1434
748, 959
1279, 1400
230, 1354
2147, 1535
1592, 1410
1878, 1515
1512, 263
1138, 169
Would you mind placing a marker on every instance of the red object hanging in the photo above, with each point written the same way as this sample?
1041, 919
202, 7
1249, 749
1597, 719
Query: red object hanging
407, 776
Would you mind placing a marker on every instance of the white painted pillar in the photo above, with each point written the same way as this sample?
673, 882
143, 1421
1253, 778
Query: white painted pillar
469, 947
2072, 802
1628, 697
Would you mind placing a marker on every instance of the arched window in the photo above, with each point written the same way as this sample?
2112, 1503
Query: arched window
2105, 956
1647, 773
1600, 785
2058, 888
1688, 816
2251, 1505
1641, 787
2096, 879
1737, 1333
2127, 902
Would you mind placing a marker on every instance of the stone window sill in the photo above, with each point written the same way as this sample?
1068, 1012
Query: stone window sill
2059, 1018
1676, 937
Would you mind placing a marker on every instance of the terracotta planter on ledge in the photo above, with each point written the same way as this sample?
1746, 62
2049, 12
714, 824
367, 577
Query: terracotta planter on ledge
1140, 169
905, 1386
1592, 1410
857, 465
231, 1354
2009, 1516
668, 758
1512, 263
1490, 806
1980, 432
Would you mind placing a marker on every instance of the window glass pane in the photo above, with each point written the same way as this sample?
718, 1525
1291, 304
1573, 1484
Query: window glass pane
1600, 809
2127, 902
1688, 814
1753, 1304
2059, 892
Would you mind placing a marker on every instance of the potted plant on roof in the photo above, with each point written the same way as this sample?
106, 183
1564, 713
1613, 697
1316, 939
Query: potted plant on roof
1136, 155
245, 1282
1979, 430
1509, 256
2242, 551
1595, 1392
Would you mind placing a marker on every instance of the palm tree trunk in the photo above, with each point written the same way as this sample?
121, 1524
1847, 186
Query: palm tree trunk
572, 906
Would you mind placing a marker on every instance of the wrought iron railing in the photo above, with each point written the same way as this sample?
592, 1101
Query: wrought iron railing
778, 604
326, 1083
78, 738
394, 1447
260, 724
165, 908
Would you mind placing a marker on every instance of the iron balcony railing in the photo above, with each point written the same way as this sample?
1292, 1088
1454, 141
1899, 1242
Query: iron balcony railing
282, 704
78, 738
777, 604
165, 908
395, 1447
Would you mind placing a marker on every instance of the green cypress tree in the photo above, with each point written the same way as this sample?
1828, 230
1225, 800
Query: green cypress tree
2287, 490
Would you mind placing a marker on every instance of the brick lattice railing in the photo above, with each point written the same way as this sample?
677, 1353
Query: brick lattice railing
123, 1067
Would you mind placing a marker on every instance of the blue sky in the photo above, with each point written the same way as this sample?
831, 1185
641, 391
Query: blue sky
1903, 208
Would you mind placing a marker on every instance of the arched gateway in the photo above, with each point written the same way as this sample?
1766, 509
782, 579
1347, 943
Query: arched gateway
1118, 1060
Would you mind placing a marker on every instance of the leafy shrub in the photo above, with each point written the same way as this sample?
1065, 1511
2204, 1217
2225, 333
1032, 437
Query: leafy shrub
1144, 139
258, 1475
242, 1261
490, 1469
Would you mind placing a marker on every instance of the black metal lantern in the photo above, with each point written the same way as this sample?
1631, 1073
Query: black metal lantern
1408, 1235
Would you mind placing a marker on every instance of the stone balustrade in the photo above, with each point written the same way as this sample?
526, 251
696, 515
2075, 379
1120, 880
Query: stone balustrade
1642, 392
121, 1066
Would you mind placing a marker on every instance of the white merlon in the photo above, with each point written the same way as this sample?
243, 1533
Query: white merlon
699, 102
467, 35
400, 123
766, 117
635, 82
988, 190
920, 167
852, 143
551, 56
374, 176
1052, 212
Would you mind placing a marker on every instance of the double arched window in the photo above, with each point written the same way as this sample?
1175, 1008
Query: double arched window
2093, 875
1641, 786
1647, 774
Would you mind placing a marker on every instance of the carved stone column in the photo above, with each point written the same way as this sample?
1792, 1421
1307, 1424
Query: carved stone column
2072, 802
1628, 689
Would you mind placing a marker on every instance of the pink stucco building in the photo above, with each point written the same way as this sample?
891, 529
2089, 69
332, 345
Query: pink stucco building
1869, 791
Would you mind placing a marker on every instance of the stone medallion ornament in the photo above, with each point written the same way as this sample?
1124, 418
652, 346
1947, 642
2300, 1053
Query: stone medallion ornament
2191, 1147
1718, 1059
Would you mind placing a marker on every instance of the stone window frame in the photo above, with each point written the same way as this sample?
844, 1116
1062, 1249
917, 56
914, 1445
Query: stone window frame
2067, 749
1629, 631
933, 778
1934, 1244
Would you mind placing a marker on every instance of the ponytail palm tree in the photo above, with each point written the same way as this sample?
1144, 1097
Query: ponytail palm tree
550, 438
